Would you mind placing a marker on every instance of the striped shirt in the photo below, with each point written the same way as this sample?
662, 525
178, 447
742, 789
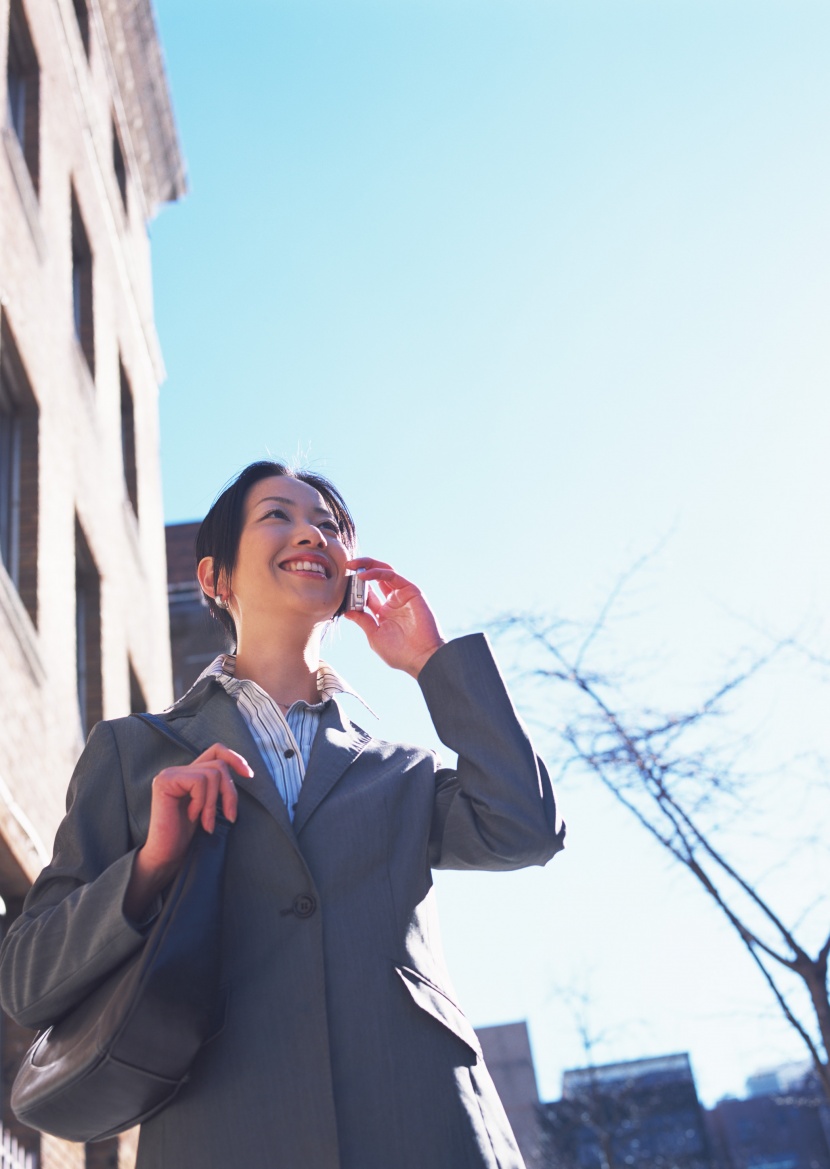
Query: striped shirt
284, 740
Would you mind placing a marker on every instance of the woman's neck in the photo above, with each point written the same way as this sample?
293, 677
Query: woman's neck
285, 669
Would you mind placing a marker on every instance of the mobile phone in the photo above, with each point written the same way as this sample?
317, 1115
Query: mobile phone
356, 592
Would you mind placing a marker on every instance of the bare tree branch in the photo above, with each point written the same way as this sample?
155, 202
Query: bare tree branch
673, 774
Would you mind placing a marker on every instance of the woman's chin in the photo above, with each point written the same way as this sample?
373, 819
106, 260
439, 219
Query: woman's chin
314, 609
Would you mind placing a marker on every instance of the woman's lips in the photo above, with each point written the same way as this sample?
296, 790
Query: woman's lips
305, 566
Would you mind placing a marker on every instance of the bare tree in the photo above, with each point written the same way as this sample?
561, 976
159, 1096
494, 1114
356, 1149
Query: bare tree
678, 775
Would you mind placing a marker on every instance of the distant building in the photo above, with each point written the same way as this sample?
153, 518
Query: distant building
784, 1124
195, 638
643, 1114
88, 153
510, 1061
781, 1079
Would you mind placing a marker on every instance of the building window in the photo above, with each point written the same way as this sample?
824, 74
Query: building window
23, 90
82, 287
119, 164
128, 439
82, 16
138, 703
19, 419
87, 634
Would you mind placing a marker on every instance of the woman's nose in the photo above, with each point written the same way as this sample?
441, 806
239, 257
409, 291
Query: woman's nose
309, 534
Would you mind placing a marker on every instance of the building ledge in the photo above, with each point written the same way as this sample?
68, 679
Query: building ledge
25, 188
21, 625
137, 58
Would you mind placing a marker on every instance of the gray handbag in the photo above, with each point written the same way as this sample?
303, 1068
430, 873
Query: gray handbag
123, 1053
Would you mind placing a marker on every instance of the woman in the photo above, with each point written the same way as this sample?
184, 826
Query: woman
342, 1046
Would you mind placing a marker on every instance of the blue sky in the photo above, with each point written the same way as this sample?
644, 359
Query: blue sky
538, 285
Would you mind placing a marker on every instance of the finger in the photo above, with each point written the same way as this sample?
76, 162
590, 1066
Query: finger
389, 581
198, 794
382, 572
220, 791
374, 604
364, 619
236, 761
376, 570
211, 796
229, 798
397, 594
178, 783
203, 783
366, 562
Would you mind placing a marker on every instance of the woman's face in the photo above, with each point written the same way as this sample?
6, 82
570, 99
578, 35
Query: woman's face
290, 556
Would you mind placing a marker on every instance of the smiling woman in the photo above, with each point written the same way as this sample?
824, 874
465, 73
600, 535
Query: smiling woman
342, 1046
220, 534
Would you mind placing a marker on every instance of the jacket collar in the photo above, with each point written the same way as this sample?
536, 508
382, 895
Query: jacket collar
207, 715
329, 682
336, 745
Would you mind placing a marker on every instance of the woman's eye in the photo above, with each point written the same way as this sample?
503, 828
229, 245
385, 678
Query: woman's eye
331, 525
277, 511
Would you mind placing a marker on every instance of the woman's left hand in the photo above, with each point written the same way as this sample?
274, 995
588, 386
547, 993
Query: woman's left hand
399, 624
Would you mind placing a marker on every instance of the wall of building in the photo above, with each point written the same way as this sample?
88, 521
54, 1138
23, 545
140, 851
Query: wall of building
195, 638
83, 487
509, 1059
775, 1129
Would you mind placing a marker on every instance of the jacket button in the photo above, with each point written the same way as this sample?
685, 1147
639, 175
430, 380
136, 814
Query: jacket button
304, 905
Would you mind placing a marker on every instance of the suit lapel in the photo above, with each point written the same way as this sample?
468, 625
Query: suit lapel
336, 745
207, 715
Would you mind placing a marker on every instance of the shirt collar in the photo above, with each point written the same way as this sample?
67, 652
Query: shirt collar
329, 682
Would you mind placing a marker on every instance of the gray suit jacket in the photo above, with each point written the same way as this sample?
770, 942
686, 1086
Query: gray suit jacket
342, 1045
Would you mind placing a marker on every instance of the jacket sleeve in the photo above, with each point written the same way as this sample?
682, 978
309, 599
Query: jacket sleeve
73, 931
496, 810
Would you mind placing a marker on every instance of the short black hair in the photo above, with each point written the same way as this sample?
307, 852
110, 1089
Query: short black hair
221, 529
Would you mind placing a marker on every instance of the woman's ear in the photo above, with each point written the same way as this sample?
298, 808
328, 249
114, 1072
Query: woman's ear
204, 572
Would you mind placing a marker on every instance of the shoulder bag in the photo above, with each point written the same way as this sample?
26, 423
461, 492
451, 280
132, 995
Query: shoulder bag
123, 1053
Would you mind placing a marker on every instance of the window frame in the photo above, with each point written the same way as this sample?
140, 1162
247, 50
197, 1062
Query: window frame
82, 17
23, 91
129, 459
83, 286
119, 165
19, 475
88, 660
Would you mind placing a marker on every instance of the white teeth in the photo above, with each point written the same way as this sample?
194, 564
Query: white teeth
305, 566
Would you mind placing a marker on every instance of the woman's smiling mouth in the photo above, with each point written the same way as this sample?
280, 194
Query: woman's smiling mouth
313, 566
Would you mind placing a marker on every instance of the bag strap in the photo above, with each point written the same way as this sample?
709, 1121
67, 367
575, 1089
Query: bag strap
165, 729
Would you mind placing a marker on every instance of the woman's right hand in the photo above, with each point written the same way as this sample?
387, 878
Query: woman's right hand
182, 798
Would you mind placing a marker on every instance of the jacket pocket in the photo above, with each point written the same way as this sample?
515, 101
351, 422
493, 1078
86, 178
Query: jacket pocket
434, 1001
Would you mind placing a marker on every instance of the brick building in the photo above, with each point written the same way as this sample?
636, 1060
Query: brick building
195, 638
88, 154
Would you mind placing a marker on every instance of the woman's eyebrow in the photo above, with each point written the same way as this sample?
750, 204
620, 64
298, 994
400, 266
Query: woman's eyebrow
291, 503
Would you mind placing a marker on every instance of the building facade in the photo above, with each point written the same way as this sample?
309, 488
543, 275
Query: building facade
195, 638
783, 1124
507, 1053
641, 1114
88, 154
